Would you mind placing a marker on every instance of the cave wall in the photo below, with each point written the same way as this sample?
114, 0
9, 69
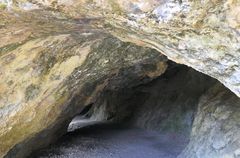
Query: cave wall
196, 106
45, 43
215, 132
172, 100
201, 34
47, 81
192, 104
182, 102
167, 104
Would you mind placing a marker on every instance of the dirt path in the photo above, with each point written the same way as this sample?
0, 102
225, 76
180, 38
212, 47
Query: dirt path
114, 141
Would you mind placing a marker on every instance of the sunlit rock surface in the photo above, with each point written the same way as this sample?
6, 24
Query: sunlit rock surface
201, 34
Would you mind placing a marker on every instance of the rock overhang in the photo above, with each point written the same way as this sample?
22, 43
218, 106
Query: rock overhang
203, 35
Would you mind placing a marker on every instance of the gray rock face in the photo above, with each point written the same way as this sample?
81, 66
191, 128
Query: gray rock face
172, 101
215, 132
180, 103
167, 104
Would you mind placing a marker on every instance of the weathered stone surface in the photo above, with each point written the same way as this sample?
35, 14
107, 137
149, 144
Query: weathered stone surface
182, 103
56, 56
171, 101
46, 81
167, 104
200, 34
216, 127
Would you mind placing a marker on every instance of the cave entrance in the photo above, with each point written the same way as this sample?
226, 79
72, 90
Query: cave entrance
150, 120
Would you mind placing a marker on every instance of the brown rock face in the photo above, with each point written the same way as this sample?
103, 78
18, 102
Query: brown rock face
46, 81
57, 56
200, 34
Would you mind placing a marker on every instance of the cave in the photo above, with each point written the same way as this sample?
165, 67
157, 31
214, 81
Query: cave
120, 78
114, 99
151, 119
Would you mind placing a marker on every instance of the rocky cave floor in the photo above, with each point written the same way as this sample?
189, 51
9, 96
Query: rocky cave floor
108, 140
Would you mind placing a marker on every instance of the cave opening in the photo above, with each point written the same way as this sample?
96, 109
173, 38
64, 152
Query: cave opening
152, 119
